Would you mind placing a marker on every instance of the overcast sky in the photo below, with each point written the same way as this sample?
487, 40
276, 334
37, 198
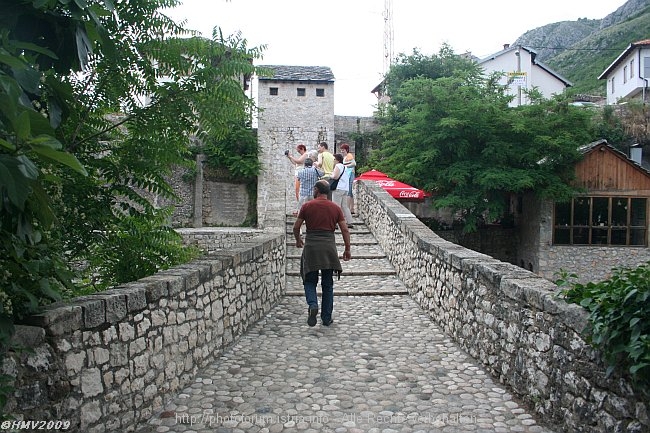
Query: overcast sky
348, 35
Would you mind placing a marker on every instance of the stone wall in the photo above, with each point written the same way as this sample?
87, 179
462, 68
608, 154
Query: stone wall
211, 240
346, 126
108, 361
221, 202
509, 319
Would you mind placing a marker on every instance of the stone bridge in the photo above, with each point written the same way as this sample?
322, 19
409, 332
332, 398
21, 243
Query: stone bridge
428, 336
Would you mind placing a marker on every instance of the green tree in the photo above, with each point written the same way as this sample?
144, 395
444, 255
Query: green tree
419, 65
456, 136
98, 99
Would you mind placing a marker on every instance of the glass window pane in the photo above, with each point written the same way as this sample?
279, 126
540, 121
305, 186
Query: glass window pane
562, 214
581, 236
619, 211
599, 237
638, 212
599, 214
581, 211
637, 236
619, 237
562, 237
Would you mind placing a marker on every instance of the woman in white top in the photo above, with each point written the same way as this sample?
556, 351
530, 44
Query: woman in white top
299, 163
340, 194
350, 164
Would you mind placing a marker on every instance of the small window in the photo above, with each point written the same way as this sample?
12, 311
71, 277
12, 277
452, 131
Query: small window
320, 92
301, 91
631, 68
273, 91
613, 87
624, 74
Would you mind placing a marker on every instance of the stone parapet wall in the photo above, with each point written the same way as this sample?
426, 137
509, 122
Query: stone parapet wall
211, 240
509, 319
108, 361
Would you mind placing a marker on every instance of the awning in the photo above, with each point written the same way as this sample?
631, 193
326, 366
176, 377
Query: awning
395, 188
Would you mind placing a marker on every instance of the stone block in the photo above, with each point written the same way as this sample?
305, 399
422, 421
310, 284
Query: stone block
177, 283
28, 336
204, 267
155, 287
94, 310
115, 304
59, 319
135, 294
91, 382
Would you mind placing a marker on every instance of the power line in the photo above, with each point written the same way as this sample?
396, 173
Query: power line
573, 49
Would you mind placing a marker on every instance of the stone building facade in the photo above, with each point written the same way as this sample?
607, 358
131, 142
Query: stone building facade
296, 106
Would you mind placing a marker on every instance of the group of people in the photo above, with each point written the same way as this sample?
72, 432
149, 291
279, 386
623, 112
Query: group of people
322, 208
311, 166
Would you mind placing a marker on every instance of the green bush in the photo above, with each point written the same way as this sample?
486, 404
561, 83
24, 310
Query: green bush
619, 320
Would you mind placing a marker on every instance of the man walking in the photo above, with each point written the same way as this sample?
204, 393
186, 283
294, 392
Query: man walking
320, 254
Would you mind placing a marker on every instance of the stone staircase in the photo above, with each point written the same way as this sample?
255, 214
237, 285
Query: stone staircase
368, 273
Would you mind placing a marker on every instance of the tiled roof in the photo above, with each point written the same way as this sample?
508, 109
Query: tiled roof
298, 73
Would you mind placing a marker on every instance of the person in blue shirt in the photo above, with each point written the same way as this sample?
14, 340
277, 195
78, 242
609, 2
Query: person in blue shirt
307, 176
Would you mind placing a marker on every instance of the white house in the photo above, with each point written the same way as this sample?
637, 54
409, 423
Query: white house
627, 77
523, 72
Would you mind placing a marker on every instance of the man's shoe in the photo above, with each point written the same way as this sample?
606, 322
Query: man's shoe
311, 320
328, 323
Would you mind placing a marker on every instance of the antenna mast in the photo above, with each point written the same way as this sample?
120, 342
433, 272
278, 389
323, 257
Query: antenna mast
388, 35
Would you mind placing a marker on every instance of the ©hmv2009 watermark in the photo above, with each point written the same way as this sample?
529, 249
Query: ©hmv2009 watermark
34, 425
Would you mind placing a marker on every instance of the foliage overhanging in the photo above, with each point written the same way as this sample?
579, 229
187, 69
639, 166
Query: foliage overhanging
98, 101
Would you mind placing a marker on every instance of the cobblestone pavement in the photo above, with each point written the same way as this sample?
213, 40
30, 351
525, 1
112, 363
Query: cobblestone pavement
383, 366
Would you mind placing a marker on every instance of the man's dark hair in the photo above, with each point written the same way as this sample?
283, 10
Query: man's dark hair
324, 144
323, 187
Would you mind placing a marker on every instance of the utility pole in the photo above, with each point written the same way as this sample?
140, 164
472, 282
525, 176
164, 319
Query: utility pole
388, 36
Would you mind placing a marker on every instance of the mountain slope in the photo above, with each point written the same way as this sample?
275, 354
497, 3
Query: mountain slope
581, 50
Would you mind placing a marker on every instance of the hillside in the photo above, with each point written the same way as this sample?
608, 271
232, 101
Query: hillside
581, 50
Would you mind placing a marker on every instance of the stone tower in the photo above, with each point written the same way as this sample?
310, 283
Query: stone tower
296, 106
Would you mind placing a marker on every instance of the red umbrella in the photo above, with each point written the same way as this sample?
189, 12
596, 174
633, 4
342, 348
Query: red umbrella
395, 188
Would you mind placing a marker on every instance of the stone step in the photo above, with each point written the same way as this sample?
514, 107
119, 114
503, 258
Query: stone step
296, 272
354, 266
359, 251
355, 256
354, 285
354, 239
367, 273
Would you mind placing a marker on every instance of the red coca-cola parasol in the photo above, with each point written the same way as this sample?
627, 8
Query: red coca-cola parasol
395, 188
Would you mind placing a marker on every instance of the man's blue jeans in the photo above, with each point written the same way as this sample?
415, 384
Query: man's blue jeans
327, 285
